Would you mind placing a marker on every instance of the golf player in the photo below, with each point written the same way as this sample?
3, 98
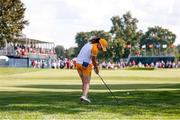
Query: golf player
86, 61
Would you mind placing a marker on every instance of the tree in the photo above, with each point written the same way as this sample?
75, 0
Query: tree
124, 31
70, 52
60, 51
11, 20
177, 52
160, 38
81, 39
178, 48
116, 49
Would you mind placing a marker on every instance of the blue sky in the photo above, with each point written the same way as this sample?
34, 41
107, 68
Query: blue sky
59, 20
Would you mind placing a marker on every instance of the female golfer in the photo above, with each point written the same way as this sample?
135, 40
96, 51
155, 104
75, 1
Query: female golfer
86, 60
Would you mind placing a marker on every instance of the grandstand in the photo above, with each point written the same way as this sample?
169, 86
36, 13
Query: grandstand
28, 53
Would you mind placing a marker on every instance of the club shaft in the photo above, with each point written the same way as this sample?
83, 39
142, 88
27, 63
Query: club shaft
108, 88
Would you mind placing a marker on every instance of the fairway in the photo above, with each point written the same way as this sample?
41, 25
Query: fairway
47, 94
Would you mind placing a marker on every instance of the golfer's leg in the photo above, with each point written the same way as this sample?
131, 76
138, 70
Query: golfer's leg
86, 80
85, 87
81, 76
85, 83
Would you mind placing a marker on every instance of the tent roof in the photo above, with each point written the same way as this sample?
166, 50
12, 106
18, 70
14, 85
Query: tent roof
23, 40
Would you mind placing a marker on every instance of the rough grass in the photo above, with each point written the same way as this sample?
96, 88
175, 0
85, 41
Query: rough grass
54, 94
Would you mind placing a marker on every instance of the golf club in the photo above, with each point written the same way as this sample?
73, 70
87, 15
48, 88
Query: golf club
108, 88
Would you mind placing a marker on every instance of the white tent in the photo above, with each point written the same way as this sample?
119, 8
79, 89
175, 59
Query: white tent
4, 58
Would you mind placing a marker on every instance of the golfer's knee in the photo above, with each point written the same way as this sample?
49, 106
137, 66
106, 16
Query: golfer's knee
86, 81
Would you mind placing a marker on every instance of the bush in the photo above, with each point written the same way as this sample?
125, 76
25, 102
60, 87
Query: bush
140, 68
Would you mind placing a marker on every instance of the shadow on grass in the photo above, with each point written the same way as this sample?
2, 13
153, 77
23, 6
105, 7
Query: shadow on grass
131, 103
111, 86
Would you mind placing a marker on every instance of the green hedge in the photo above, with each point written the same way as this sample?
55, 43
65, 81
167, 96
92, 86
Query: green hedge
139, 68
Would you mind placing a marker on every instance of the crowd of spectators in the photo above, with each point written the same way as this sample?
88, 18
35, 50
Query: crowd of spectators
157, 64
21, 50
39, 64
71, 64
55, 64
64, 63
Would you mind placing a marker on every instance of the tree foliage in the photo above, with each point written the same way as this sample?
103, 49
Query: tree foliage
81, 39
60, 51
177, 52
178, 48
11, 20
125, 39
125, 33
158, 37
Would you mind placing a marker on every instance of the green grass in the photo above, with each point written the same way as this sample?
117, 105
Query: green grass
54, 94
7, 71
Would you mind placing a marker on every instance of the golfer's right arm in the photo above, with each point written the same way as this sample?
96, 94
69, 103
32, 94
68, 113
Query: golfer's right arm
96, 69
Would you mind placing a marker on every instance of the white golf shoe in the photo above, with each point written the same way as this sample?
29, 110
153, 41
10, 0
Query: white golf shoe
85, 99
